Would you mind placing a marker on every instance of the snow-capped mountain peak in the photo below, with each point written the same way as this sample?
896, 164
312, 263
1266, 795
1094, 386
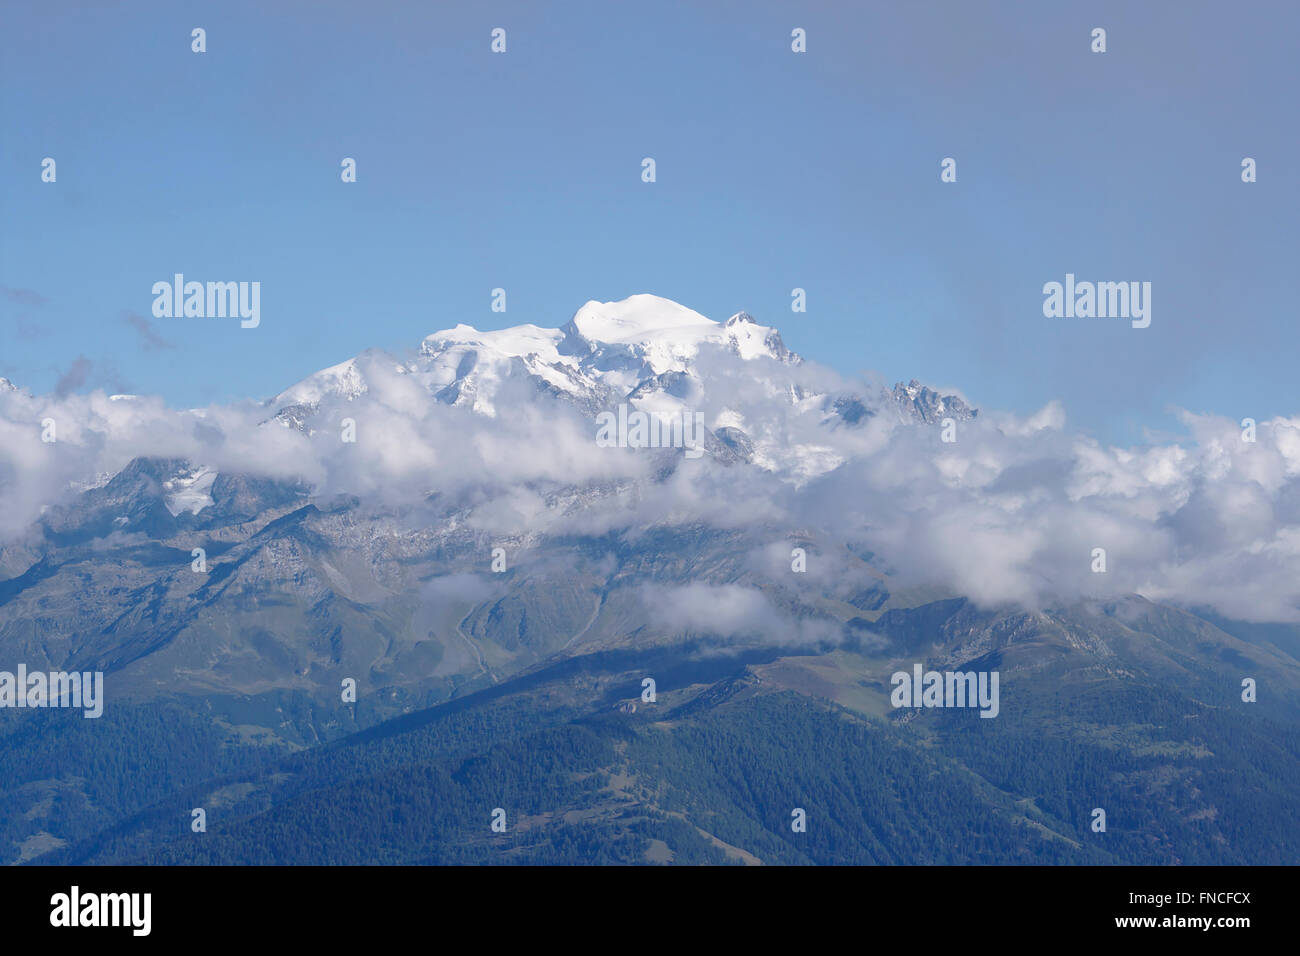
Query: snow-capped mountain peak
646, 351
343, 380
639, 319
600, 356
519, 340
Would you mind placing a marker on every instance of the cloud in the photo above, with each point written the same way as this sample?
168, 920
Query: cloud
729, 611
74, 377
1011, 515
150, 339
23, 296
1013, 511
30, 331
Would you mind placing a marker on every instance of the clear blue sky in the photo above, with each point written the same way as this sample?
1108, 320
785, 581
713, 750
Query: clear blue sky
775, 170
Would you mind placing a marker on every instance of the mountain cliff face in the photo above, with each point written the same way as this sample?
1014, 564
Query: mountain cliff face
518, 565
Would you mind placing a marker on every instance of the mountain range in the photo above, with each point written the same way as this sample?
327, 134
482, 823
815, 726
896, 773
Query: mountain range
440, 529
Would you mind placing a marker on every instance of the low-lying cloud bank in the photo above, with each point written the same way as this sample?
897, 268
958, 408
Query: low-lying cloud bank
1014, 510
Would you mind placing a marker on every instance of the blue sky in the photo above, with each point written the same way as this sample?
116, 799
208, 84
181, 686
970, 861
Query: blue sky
775, 170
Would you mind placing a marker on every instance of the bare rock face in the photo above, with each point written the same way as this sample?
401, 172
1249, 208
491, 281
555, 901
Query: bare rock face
917, 402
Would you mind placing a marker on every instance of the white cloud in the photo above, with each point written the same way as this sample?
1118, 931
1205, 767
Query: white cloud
1009, 512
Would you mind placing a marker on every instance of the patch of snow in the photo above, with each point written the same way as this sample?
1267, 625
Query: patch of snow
189, 490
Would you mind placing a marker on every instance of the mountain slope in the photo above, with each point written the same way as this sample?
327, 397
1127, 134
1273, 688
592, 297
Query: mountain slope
443, 534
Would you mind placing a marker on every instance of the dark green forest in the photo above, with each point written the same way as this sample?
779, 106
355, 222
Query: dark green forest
711, 779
